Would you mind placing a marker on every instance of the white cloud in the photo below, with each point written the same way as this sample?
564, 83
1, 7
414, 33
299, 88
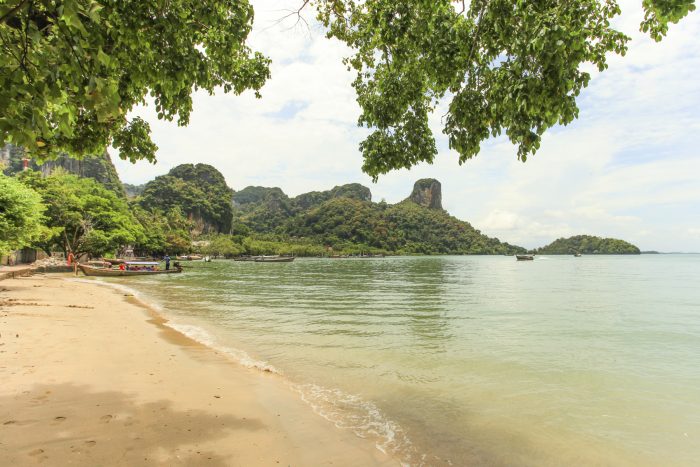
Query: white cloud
626, 168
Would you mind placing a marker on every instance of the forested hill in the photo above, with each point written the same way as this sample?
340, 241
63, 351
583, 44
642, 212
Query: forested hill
198, 191
345, 216
588, 245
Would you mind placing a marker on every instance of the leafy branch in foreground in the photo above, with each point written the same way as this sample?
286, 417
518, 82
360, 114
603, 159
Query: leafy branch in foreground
71, 70
505, 66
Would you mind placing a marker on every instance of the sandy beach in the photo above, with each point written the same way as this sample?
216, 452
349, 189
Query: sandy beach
91, 376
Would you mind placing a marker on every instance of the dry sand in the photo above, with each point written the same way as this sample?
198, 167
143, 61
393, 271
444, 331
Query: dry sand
88, 376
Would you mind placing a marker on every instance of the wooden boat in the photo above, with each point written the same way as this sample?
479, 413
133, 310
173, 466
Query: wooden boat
273, 259
107, 272
524, 257
245, 258
577, 255
118, 261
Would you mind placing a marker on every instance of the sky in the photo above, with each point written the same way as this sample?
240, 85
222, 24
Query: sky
628, 168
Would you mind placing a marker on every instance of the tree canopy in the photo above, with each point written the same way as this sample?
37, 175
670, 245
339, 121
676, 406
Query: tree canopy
85, 216
21, 215
72, 70
503, 66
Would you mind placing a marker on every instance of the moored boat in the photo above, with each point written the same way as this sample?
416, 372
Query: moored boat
273, 259
244, 258
132, 268
524, 257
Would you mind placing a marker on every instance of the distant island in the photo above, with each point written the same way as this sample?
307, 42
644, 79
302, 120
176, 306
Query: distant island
588, 245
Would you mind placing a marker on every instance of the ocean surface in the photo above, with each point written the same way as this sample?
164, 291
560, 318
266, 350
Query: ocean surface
469, 360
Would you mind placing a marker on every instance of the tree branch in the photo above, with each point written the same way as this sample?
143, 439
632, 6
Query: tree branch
12, 11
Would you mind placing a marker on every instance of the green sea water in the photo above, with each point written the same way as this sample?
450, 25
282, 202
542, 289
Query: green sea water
468, 360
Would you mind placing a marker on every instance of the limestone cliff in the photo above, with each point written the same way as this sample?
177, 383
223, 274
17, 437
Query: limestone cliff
427, 192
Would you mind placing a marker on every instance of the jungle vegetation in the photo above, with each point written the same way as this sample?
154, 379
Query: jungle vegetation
192, 209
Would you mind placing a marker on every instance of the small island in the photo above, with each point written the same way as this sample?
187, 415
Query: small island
588, 245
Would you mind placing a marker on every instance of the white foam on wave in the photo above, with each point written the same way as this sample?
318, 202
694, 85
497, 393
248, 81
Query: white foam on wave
241, 356
364, 418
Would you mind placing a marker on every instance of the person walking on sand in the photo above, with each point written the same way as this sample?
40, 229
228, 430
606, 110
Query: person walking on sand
167, 262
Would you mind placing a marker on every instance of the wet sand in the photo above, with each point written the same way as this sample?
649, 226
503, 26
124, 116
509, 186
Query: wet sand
90, 376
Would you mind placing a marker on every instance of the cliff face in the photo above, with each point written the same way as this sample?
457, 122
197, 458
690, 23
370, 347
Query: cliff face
99, 168
427, 192
350, 190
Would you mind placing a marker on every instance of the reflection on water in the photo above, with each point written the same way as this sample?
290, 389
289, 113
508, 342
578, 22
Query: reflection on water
475, 360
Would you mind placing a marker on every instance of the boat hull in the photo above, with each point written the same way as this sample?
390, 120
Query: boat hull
102, 272
524, 257
274, 260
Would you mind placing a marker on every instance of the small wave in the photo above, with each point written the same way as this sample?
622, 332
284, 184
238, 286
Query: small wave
364, 418
241, 356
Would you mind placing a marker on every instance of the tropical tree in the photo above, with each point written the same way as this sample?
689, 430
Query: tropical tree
86, 217
21, 215
71, 70
164, 232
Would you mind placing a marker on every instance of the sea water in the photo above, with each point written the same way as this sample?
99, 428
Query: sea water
470, 360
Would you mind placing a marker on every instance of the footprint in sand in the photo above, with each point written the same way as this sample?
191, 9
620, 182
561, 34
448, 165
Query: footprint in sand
60, 419
36, 452
90, 443
10, 422
106, 418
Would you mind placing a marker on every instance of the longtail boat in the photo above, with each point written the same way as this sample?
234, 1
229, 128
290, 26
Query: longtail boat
273, 259
524, 257
135, 268
266, 259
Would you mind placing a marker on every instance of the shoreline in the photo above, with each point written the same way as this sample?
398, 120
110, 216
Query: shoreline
92, 375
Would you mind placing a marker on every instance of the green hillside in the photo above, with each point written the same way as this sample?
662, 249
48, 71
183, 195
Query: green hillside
199, 191
345, 218
588, 245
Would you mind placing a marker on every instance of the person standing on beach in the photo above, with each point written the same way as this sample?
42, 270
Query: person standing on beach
167, 262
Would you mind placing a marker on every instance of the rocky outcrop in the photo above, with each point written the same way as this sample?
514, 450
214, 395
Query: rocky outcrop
198, 191
99, 168
350, 190
427, 192
133, 191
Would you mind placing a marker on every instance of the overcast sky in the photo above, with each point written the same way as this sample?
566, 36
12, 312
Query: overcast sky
627, 168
